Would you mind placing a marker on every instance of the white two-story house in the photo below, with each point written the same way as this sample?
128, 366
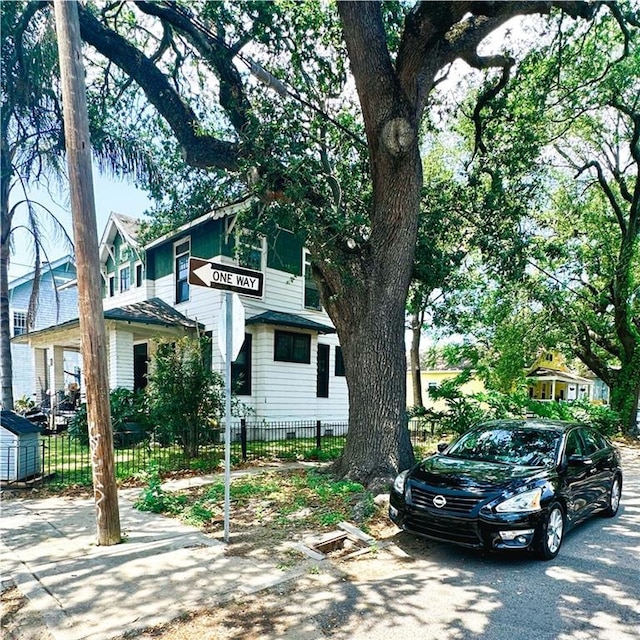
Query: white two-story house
290, 366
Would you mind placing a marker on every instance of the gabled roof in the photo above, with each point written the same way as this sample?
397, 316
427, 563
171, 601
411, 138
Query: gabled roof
126, 226
279, 318
215, 214
44, 269
17, 424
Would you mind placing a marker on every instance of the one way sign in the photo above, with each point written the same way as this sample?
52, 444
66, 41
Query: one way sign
222, 276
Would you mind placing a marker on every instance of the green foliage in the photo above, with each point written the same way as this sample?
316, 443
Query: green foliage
186, 398
129, 418
24, 404
464, 411
154, 498
278, 495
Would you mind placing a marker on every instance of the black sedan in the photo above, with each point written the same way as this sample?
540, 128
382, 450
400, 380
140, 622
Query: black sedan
510, 484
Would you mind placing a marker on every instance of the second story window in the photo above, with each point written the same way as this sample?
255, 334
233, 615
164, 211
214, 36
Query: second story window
112, 286
19, 323
182, 251
250, 251
311, 293
125, 279
138, 275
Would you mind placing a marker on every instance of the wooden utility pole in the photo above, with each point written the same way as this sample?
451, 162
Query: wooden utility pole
93, 335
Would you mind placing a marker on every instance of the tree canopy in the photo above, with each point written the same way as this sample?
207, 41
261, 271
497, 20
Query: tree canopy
565, 151
317, 109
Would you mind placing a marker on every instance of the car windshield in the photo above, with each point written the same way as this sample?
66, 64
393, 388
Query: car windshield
518, 446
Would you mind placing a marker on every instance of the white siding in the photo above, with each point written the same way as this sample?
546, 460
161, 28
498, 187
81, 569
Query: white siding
120, 359
279, 390
19, 456
51, 310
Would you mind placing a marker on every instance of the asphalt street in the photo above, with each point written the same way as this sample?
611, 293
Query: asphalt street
421, 589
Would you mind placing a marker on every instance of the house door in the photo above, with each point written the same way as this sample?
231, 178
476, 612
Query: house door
140, 366
323, 371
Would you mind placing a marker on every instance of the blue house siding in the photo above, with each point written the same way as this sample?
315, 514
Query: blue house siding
50, 311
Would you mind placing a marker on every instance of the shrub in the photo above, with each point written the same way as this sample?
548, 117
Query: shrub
186, 398
127, 408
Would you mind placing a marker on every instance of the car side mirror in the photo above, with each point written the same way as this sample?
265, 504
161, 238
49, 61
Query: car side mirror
442, 446
579, 461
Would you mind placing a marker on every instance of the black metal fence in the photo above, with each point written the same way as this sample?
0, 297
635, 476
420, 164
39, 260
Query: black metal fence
62, 460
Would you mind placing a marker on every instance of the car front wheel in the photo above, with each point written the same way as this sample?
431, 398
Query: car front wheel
614, 498
551, 533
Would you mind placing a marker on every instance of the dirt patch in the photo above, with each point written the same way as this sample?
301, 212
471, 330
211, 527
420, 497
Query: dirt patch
19, 620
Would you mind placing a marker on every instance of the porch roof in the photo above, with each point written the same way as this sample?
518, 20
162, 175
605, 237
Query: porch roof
542, 374
279, 318
154, 312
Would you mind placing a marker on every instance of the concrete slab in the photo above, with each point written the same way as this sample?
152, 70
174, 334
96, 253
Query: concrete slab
86, 592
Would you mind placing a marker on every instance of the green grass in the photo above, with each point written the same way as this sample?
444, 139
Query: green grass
270, 496
67, 462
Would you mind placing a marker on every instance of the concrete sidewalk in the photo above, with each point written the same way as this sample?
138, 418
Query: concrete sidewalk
83, 591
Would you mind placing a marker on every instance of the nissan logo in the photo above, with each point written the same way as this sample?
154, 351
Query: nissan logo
439, 501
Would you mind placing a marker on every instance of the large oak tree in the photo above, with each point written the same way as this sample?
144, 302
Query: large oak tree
262, 90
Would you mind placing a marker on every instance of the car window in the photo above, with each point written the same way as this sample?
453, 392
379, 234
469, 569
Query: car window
591, 442
574, 444
521, 446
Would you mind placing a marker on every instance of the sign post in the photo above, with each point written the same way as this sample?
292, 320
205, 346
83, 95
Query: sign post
227, 412
232, 280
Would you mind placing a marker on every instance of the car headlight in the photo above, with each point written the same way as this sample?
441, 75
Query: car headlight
522, 502
398, 483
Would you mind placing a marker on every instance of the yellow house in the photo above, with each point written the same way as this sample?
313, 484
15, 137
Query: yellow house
551, 380
432, 379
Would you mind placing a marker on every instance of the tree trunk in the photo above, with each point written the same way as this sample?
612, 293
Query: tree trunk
624, 390
92, 329
6, 364
416, 377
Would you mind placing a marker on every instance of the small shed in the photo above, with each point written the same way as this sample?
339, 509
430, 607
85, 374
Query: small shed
19, 447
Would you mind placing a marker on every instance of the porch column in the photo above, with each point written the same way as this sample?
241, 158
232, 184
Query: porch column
56, 362
120, 359
40, 370
553, 389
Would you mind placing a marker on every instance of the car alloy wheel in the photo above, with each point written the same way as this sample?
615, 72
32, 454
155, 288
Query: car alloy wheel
552, 533
614, 498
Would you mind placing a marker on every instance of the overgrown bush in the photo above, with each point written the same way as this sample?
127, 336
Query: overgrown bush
127, 408
464, 411
186, 398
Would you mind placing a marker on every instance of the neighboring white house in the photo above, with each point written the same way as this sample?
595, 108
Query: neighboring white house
37, 371
290, 366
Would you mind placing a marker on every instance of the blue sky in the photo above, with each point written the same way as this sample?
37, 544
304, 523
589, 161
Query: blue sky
110, 195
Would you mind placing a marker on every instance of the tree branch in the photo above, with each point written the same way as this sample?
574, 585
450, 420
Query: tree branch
200, 150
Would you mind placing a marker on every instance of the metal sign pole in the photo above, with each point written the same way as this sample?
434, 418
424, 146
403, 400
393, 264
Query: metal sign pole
227, 420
